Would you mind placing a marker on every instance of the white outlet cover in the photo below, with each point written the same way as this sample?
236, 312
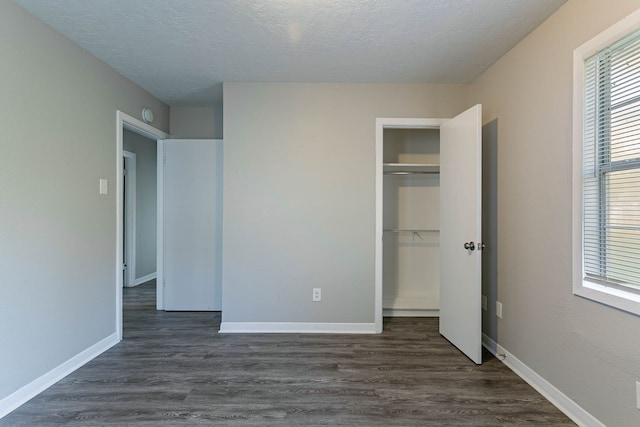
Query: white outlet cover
484, 302
499, 309
104, 186
638, 394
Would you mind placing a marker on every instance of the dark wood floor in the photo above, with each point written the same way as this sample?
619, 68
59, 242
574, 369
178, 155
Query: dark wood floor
173, 369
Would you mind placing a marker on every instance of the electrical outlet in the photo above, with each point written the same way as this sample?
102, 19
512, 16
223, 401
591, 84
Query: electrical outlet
499, 309
104, 186
317, 294
484, 302
638, 394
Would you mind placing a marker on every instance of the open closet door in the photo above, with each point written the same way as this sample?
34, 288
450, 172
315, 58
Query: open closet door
461, 232
192, 181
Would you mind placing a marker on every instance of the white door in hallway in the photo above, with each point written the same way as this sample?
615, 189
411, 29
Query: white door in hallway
192, 179
461, 232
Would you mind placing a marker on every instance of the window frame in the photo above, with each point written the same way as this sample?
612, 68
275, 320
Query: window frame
620, 298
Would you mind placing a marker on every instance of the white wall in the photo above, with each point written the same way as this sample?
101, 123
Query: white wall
196, 122
146, 200
589, 351
299, 193
57, 234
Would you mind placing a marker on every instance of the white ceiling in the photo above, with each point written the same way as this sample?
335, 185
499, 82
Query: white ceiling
181, 50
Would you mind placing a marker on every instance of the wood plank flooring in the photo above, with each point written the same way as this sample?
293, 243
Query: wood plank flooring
173, 369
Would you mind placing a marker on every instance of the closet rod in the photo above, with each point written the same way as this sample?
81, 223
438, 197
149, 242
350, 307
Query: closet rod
411, 173
400, 230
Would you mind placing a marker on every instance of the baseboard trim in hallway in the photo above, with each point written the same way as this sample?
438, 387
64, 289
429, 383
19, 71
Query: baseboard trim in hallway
37, 386
145, 279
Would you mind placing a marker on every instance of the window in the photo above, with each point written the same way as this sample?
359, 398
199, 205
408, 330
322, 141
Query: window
607, 136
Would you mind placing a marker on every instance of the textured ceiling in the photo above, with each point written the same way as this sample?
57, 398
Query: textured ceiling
181, 50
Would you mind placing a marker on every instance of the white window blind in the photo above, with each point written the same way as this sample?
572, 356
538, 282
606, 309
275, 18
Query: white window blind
611, 165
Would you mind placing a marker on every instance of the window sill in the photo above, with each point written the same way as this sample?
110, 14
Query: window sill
622, 300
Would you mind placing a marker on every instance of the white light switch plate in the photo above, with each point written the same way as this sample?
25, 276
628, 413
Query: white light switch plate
104, 186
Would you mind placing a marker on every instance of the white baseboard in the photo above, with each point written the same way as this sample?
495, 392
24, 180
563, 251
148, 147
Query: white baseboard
401, 312
39, 385
294, 327
489, 344
144, 279
560, 400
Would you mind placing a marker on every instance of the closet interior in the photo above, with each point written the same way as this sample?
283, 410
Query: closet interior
411, 218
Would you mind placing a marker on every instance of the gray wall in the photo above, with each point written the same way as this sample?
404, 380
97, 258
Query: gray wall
146, 200
57, 234
299, 193
196, 122
299, 203
589, 351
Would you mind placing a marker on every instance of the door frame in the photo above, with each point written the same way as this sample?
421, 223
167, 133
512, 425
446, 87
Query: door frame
129, 226
381, 125
125, 121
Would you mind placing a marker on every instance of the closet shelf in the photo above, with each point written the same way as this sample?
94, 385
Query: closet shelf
410, 168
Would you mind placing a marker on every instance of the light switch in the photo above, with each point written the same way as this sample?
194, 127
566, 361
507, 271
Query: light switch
104, 186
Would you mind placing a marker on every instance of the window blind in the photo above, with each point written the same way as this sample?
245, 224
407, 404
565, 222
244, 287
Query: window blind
611, 165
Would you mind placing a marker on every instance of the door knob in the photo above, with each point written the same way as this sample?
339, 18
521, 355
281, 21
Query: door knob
470, 246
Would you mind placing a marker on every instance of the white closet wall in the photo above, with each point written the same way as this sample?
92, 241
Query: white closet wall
411, 220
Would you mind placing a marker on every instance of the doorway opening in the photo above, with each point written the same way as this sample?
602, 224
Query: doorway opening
395, 166
411, 218
457, 221
125, 122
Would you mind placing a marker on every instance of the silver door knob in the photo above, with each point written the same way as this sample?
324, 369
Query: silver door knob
469, 246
